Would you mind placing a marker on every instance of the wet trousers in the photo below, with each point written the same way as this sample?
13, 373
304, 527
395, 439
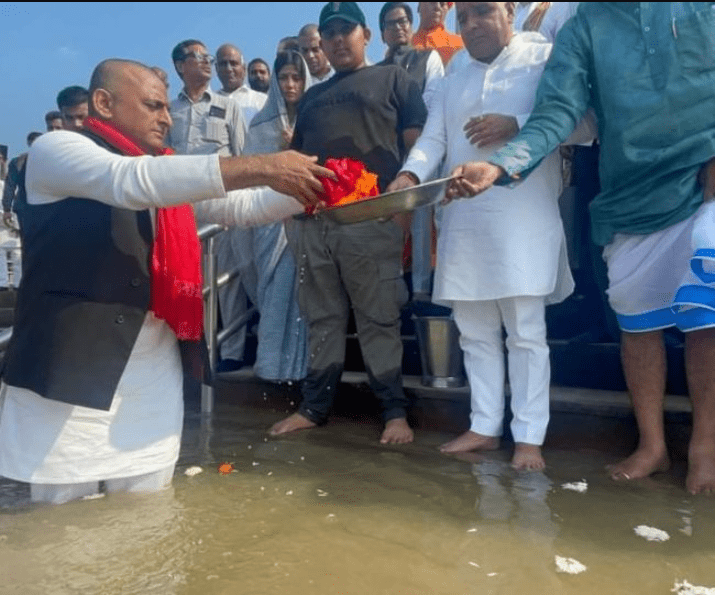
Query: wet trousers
480, 326
340, 266
64, 492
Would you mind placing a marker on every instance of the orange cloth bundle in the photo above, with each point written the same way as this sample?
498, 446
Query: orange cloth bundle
354, 182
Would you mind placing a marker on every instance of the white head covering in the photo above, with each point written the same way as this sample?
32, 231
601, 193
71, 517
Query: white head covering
264, 133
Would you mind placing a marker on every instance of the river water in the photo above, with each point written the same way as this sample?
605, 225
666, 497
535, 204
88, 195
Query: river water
330, 511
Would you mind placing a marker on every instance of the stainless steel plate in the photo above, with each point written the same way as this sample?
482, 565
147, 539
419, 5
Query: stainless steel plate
388, 204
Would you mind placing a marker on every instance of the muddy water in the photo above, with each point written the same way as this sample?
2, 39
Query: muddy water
331, 512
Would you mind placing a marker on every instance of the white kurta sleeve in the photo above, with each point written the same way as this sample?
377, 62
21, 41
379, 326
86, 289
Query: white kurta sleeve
431, 146
247, 208
65, 164
433, 75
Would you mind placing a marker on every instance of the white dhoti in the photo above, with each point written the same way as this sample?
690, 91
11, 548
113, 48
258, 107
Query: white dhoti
64, 450
61, 493
480, 325
665, 278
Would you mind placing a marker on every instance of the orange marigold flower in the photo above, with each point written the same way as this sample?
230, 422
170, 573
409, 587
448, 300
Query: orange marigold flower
225, 468
354, 182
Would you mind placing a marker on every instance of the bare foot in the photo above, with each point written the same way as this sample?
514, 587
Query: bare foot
701, 470
527, 457
291, 423
470, 441
397, 432
642, 463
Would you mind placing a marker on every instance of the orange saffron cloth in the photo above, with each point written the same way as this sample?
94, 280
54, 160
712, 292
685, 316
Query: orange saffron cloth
354, 182
445, 43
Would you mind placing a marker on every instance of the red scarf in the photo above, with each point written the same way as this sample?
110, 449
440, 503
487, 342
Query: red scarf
176, 283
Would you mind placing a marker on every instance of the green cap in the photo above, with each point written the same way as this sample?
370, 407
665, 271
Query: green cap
347, 11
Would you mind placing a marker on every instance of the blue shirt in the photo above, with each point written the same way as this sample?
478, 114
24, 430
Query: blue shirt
648, 70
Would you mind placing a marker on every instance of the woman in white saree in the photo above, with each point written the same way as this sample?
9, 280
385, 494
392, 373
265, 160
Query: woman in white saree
282, 338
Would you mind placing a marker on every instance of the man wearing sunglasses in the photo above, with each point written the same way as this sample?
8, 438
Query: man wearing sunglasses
206, 122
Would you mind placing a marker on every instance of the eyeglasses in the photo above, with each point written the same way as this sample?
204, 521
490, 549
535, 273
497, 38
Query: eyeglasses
401, 23
199, 57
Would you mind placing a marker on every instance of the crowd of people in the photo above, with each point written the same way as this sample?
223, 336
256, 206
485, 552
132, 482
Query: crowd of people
109, 307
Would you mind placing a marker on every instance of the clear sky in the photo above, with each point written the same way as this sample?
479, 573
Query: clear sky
46, 46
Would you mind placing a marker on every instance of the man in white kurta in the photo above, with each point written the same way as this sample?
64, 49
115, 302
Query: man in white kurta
64, 450
500, 257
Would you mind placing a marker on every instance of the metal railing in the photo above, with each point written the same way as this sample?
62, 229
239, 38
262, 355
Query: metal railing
213, 281
5, 335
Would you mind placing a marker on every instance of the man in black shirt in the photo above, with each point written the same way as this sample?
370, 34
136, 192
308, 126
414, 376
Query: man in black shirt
14, 199
372, 114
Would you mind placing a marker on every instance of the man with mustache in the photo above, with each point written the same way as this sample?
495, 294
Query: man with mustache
502, 259
112, 293
648, 70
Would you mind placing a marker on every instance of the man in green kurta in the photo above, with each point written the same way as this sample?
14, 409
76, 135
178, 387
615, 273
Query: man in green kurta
648, 71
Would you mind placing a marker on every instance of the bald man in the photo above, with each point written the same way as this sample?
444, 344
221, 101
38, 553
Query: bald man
311, 50
231, 71
93, 375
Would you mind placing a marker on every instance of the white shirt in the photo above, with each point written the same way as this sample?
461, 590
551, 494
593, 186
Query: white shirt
325, 77
556, 15
251, 101
505, 242
45, 441
434, 72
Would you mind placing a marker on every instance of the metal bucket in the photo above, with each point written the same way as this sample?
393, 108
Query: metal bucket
440, 354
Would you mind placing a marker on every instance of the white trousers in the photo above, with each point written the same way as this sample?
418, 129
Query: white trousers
64, 492
480, 326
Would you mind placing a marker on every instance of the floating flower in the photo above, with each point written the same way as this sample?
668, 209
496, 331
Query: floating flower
569, 565
191, 471
225, 468
685, 588
651, 533
576, 486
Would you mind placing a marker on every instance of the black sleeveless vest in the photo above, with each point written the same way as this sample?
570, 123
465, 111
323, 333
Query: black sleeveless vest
82, 299
413, 61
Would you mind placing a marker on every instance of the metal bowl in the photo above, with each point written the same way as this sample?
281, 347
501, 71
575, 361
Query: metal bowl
386, 205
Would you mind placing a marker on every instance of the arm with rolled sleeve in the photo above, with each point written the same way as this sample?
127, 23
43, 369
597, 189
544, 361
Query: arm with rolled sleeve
562, 98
